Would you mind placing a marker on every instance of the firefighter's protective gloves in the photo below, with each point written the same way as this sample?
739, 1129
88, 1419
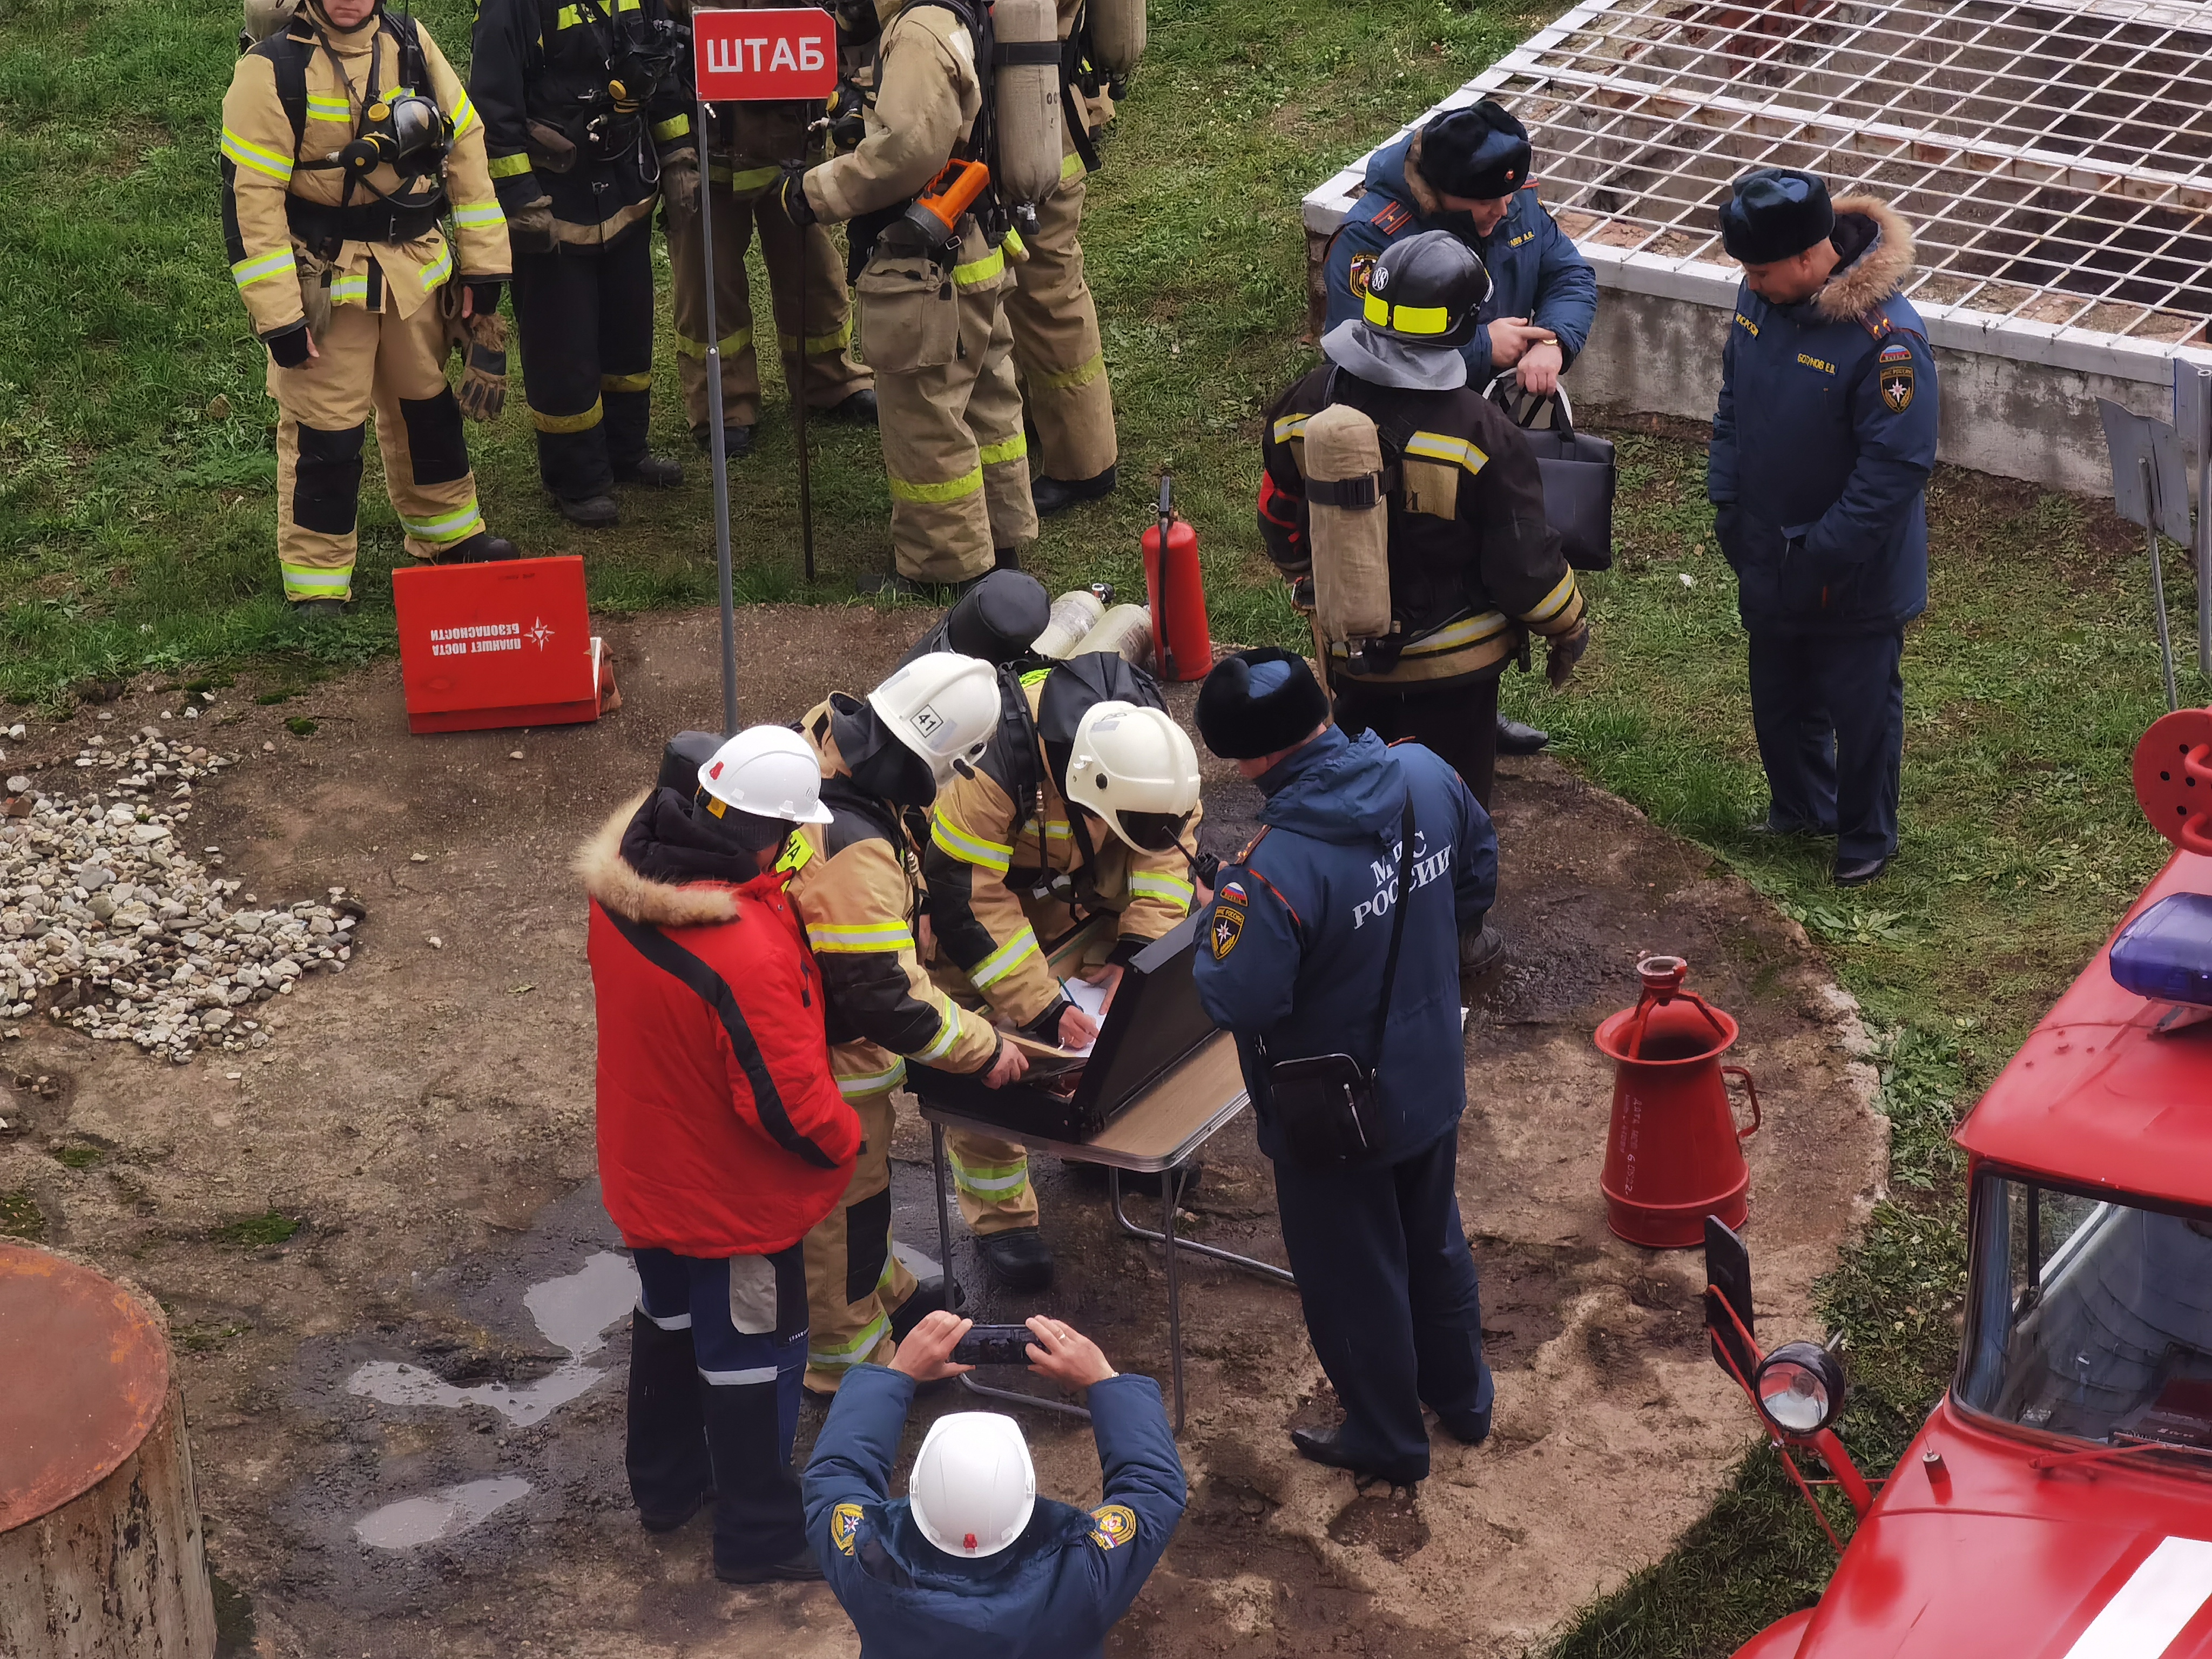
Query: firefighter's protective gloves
482, 394
679, 180
791, 195
483, 296
289, 346
530, 226
1563, 652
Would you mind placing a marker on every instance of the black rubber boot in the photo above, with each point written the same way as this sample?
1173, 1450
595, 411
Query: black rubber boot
482, 547
652, 473
1050, 496
860, 408
760, 1528
670, 1474
737, 442
1019, 1258
927, 1298
318, 609
1515, 738
592, 512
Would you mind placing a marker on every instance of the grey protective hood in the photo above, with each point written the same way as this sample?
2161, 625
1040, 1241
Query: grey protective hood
1358, 349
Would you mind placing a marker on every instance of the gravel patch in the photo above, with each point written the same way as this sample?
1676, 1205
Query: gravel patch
112, 924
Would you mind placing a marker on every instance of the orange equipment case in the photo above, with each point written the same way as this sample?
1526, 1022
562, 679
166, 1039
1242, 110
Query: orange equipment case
500, 644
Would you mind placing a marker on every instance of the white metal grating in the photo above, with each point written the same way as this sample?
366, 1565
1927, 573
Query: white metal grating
2055, 157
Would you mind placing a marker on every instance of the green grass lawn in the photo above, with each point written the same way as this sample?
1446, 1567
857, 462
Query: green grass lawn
136, 533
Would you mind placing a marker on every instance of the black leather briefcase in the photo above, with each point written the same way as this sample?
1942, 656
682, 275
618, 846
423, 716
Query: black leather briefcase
1579, 472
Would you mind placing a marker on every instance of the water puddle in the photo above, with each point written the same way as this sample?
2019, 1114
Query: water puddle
441, 1515
574, 1312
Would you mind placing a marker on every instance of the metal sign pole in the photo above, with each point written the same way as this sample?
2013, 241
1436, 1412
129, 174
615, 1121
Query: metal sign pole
2201, 383
2158, 586
716, 452
797, 378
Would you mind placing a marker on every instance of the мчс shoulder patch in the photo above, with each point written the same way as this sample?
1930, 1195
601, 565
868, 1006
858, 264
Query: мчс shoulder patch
1113, 1525
1896, 383
1228, 928
1362, 267
844, 1526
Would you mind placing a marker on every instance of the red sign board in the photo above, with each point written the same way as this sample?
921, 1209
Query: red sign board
502, 644
746, 56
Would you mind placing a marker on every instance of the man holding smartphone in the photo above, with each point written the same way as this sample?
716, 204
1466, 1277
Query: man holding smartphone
972, 1526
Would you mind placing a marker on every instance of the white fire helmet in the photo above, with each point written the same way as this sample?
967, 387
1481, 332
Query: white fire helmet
942, 706
973, 1486
769, 771
1134, 768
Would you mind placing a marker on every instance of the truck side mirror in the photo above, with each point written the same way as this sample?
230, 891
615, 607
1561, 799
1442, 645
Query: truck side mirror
1727, 1300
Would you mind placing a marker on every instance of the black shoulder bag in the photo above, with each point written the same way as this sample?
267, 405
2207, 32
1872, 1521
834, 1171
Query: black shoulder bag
1325, 1104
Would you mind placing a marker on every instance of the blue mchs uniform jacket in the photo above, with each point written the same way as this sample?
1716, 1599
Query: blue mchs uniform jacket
1294, 944
1823, 440
1535, 270
1052, 1594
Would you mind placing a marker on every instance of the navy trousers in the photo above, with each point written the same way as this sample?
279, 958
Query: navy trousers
1391, 1298
718, 1348
1829, 712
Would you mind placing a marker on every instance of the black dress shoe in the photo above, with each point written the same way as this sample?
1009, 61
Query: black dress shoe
1766, 827
1857, 872
592, 512
668, 1521
653, 472
737, 442
1050, 496
1515, 738
860, 408
1019, 1258
482, 547
928, 1298
799, 1569
1325, 1446
1469, 1428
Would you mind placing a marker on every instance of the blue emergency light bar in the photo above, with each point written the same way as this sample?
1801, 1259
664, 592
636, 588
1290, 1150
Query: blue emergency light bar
2165, 953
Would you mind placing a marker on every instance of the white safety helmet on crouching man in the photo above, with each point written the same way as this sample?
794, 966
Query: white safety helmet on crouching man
944, 707
973, 1487
1135, 768
764, 772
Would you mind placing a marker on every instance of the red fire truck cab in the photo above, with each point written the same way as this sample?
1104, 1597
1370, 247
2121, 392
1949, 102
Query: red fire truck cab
2058, 1502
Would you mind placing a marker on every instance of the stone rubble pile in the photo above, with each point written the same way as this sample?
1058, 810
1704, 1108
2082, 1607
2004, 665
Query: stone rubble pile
115, 929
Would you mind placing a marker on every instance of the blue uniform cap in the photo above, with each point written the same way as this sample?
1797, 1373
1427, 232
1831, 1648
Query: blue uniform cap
1776, 213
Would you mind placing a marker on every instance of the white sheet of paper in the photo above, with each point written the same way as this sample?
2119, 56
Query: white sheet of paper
1092, 998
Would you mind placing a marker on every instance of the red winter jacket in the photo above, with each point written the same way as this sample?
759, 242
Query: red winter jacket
721, 1131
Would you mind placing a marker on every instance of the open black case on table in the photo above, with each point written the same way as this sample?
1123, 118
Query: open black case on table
1156, 1022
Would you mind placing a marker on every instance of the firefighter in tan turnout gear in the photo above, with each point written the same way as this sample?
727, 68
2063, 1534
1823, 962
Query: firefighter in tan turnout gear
347, 142
931, 288
1024, 892
1065, 388
747, 147
856, 882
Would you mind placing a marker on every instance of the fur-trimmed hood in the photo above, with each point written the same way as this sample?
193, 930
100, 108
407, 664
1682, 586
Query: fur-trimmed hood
619, 888
1879, 270
1427, 201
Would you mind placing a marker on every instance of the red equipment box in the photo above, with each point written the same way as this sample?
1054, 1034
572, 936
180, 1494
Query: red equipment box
502, 644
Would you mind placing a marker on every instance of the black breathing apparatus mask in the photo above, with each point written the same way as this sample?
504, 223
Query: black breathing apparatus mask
405, 132
880, 764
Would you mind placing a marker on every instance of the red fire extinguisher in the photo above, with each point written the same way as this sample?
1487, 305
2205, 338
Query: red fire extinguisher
1184, 648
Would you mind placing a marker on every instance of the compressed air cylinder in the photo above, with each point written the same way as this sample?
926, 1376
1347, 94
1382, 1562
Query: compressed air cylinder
1350, 542
1117, 34
1126, 628
1073, 615
1029, 118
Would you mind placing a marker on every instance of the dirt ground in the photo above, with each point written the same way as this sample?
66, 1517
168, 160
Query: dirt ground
423, 1355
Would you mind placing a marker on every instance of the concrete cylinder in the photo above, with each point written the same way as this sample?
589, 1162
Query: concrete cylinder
101, 1554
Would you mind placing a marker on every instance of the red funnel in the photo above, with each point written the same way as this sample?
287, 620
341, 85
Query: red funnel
1673, 1155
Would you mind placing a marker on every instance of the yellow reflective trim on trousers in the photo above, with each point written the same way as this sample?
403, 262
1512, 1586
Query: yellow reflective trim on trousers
247, 272
1437, 447
750, 178
872, 1082
1012, 450
674, 127
969, 849
981, 270
946, 1037
1145, 884
737, 341
867, 937
583, 422
508, 166
353, 288
818, 344
627, 382
451, 528
843, 1356
930, 493
316, 581
1553, 602
1082, 375
1003, 960
1289, 426
252, 156
1071, 166
988, 1179
470, 215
